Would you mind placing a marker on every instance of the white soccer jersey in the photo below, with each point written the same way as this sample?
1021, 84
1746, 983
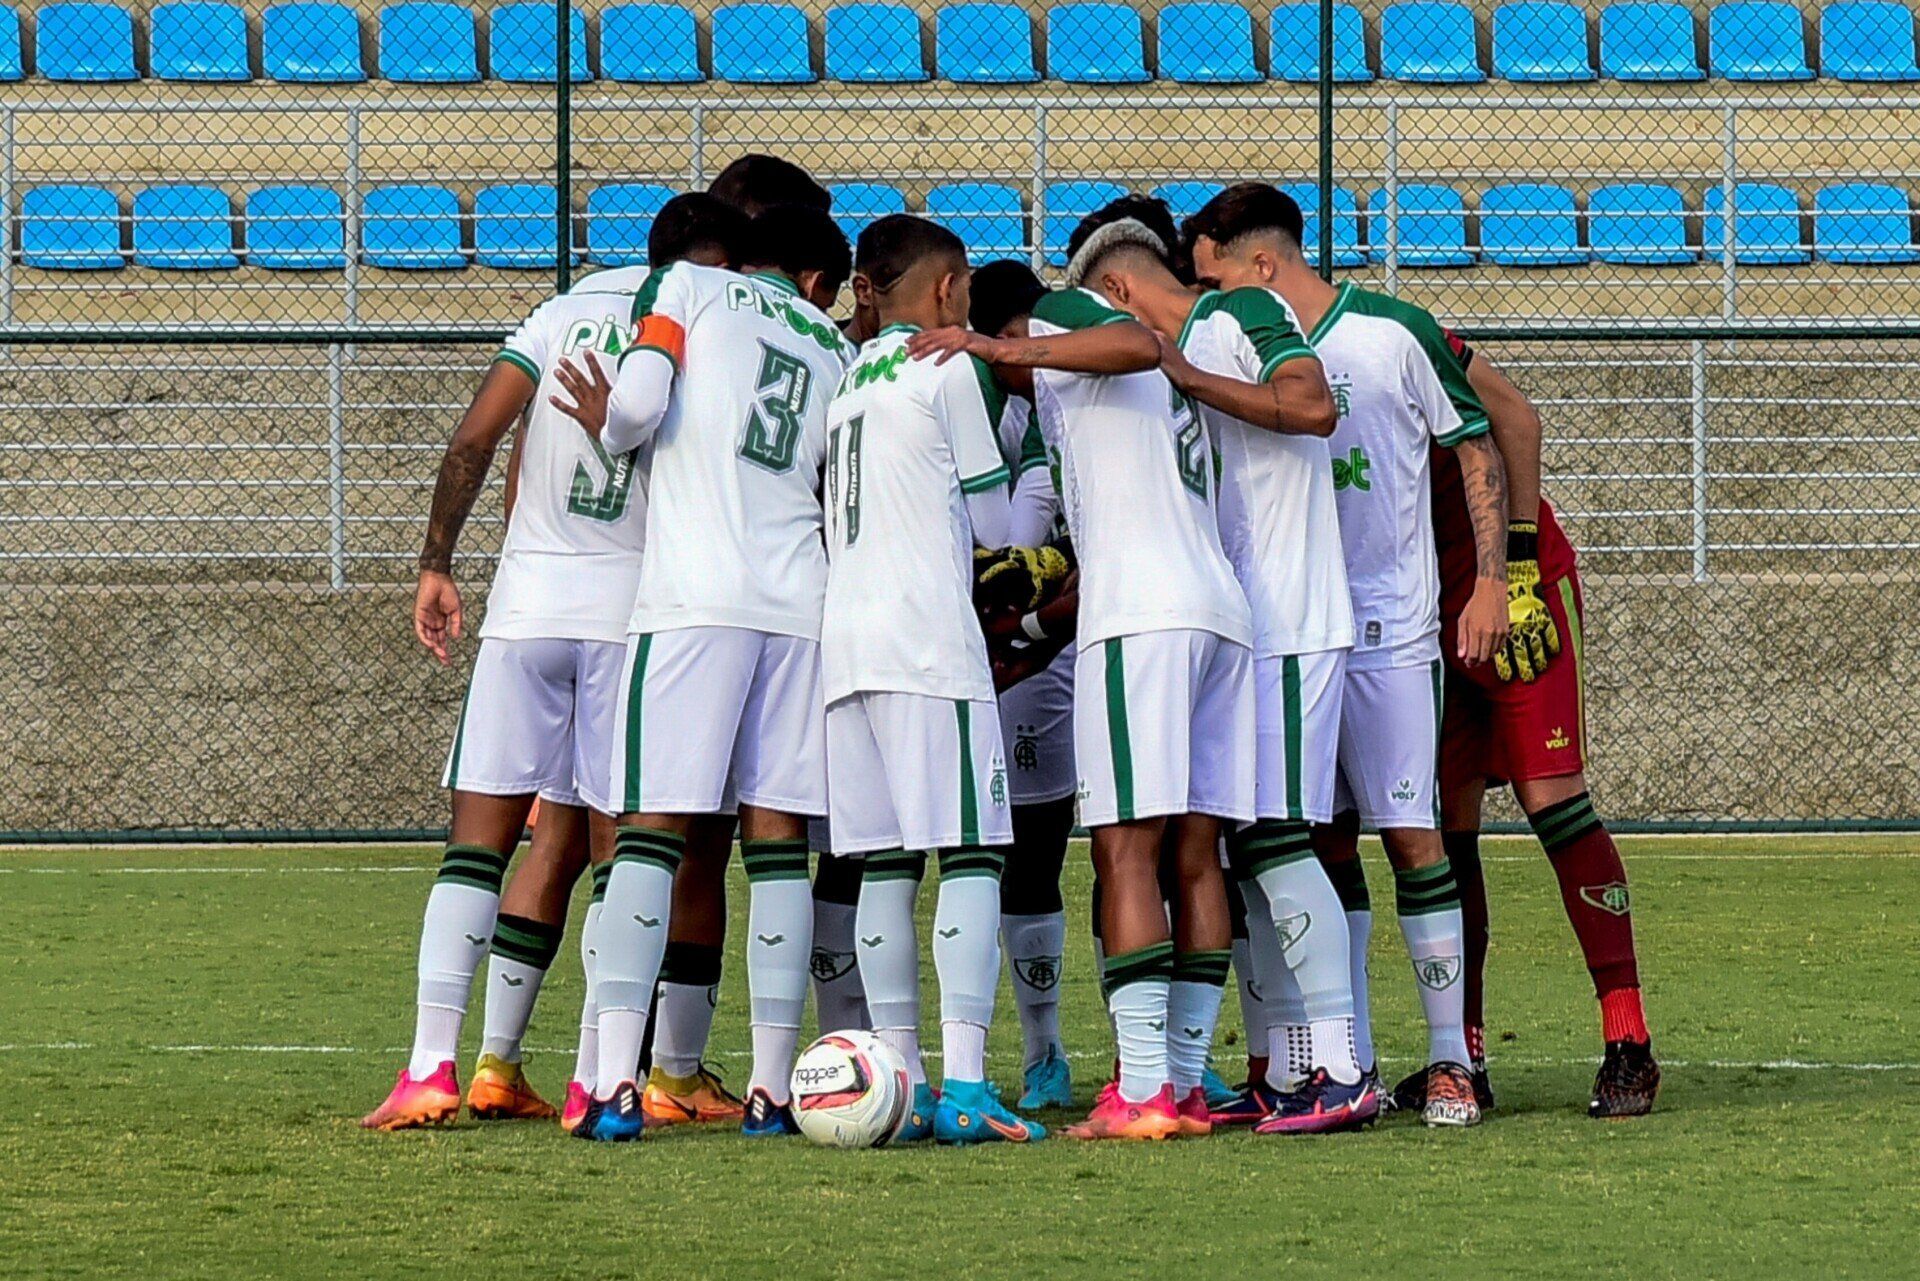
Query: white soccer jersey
571, 561
1277, 519
734, 514
1398, 387
1137, 480
907, 441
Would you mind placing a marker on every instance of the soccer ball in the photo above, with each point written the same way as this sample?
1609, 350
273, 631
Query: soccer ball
850, 1090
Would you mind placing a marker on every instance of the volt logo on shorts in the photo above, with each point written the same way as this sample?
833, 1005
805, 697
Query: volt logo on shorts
1351, 472
1292, 929
1041, 973
1558, 739
1612, 897
1437, 972
826, 966
1406, 791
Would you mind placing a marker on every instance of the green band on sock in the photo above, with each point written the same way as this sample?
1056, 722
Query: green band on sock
693, 964
600, 873
474, 865
894, 865
1209, 967
1426, 889
523, 939
971, 860
774, 860
663, 850
1561, 824
1155, 961
1268, 844
1350, 883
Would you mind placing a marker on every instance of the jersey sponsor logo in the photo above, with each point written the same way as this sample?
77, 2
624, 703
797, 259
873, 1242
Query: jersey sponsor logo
868, 372
1026, 747
1437, 972
607, 335
1342, 389
1611, 898
1041, 973
1292, 929
826, 965
1351, 472
742, 296
1557, 739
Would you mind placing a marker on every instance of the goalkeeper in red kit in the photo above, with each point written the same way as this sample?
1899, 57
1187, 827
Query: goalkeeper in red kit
1522, 721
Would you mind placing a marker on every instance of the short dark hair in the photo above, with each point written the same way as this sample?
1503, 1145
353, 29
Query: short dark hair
892, 246
797, 238
1150, 211
1002, 290
694, 221
755, 183
1245, 209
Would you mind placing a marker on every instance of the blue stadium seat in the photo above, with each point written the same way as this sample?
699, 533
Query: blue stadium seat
619, 218
183, 227
311, 41
1067, 203
1294, 51
1863, 222
1431, 226
1648, 41
1868, 40
649, 44
1530, 224
1096, 43
1185, 198
428, 42
1766, 226
513, 225
1429, 41
524, 49
1541, 40
761, 43
85, 42
1758, 40
986, 42
986, 215
411, 227
1640, 224
1207, 42
296, 228
13, 65
70, 228
874, 42
1346, 224
197, 40
856, 204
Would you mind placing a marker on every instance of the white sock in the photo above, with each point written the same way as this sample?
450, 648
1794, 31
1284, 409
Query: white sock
779, 948
773, 1050
966, 953
1312, 931
633, 937
838, 999
1435, 946
1035, 946
1193, 1010
1359, 939
1281, 1008
523, 951
683, 1021
1253, 1004
889, 952
963, 1048
1139, 1012
586, 1058
454, 935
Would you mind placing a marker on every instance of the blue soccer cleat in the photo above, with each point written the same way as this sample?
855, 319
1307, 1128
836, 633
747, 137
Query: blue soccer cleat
613, 1120
1323, 1106
766, 1119
971, 1112
1048, 1083
1219, 1093
1247, 1107
919, 1124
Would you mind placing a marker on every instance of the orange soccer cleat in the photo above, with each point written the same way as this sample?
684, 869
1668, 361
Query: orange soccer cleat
676, 1100
433, 1101
1115, 1118
501, 1092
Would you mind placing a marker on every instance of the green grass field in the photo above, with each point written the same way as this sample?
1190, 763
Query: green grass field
187, 1038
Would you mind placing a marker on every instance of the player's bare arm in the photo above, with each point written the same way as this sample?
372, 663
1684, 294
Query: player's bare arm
1516, 430
496, 407
1125, 347
1483, 623
1294, 401
1534, 639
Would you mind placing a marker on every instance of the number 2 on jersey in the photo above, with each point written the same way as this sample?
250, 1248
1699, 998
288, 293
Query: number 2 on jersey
772, 435
846, 439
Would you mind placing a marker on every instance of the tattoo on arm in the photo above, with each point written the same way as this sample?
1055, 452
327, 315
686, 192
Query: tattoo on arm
463, 472
1485, 481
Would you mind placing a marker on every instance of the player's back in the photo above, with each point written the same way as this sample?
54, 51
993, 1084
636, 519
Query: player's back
908, 440
734, 514
570, 563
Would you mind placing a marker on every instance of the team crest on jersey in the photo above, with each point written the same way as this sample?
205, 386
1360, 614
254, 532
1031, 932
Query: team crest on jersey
1406, 791
1041, 973
997, 784
1026, 747
827, 966
1342, 389
1558, 739
1611, 897
1437, 972
1292, 929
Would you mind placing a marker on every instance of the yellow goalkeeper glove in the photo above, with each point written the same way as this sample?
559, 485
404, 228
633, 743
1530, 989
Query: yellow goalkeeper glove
1532, 640
1022, 578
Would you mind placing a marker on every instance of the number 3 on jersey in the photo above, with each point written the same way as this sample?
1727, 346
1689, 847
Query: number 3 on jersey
772, 434
843, 453
608, 501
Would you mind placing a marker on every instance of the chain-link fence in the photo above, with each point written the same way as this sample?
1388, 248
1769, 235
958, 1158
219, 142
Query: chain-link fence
255, 257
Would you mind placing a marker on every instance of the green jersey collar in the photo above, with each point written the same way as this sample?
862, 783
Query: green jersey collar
1341, 302
777, 280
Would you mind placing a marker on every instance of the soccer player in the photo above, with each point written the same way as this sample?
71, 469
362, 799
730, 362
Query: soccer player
915, 762
728, 378
1397, 387
537, 720
1240, 356
1163, 698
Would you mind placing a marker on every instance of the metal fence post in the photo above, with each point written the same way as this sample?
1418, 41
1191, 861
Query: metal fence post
1037, 253
563, 144
6, 222
354, 201
1326, 140
337, 466
1699, 414
1729, 176
1392, 281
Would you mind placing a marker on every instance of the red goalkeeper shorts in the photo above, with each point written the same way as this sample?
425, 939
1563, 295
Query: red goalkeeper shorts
1506, 730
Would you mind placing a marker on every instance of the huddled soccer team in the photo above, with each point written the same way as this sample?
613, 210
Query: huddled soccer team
1215, 556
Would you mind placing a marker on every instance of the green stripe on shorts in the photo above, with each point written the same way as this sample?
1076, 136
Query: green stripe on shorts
459, 740
1119, 740
1290, 713
635, 683
969, 797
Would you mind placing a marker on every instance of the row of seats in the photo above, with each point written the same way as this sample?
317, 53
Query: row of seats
417, 227
1199, 41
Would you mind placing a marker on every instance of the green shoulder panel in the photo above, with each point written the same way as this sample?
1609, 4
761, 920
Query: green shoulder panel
649, 291
1075, 309
1033, 446
1275, 338
991, 393
1432, 339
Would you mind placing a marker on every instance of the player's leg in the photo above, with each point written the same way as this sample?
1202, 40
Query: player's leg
1336, 843
1466, 760
680, 1086
1033, 923
839, 1000
1251, 986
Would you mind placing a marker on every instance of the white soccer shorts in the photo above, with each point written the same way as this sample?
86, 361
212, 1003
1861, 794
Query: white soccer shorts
1036, 719
538, 718
1163, 724
1296, 759
914, 772
1389, 746
711, 716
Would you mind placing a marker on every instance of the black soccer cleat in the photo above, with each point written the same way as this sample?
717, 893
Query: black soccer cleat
1626, 1083
1410, 1095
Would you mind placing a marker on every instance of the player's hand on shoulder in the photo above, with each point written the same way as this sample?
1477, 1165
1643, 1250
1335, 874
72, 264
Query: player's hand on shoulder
590, 389
436, 612
1174, 363
949, 341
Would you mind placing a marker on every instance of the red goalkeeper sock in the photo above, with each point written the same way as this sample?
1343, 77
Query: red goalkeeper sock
1463, 852
1593, 889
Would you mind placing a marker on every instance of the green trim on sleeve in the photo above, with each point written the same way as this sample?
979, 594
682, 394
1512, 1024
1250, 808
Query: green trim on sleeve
661, 352
998, 476
649, 292
1265, 322
1466, 431
1076, 309
519, 362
